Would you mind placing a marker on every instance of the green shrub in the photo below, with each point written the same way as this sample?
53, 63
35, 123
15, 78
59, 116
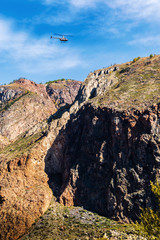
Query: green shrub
151, 55
149, 225
55, 81
135, 59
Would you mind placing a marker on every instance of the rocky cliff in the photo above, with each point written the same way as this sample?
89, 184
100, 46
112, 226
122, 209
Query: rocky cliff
26, 136
109, 159
23, 104
63, 92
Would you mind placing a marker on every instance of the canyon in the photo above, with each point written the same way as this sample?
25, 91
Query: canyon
94, 144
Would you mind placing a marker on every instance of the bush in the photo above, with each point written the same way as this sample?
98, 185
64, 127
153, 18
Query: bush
135, 59
151, 55
149, 225
55, 81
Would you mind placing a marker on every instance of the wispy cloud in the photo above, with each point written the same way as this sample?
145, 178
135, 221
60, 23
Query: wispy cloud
79, 3
108, 19
135, 9
32, 54
146, 40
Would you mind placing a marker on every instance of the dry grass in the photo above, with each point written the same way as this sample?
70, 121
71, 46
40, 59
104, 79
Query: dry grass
138, 85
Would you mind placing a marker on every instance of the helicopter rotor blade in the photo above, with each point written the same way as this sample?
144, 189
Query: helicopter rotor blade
63, 35
58, 34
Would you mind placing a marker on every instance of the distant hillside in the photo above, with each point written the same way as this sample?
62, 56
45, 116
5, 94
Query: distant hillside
24, 103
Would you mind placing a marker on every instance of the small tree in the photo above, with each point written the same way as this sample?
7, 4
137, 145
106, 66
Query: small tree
149, 225
135, 59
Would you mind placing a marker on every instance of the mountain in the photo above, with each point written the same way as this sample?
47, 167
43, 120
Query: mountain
23, 104
24, 141
100, 152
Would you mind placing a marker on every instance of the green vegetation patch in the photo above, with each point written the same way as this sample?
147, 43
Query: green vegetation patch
138, 85
149, 225
56, 81
60, 222
21, 145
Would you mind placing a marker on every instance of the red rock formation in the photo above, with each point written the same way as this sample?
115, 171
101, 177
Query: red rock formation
26, 136
26, 103
24, 191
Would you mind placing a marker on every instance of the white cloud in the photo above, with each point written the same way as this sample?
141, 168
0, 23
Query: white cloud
135, 9
146, 40
80, 3
33, 55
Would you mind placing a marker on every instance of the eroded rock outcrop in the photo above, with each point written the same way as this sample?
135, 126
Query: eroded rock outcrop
63, 92
109, 159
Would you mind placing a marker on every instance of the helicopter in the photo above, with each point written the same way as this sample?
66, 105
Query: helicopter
61, 37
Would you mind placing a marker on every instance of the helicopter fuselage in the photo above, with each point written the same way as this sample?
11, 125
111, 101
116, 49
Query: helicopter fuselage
63, 39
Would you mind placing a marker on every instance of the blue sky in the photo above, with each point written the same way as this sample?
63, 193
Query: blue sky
104, 32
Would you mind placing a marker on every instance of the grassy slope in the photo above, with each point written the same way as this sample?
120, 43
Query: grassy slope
70, 223
59, 84
20, 146
138, 85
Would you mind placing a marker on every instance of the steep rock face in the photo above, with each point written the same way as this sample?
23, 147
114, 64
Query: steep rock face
28, 111
24, 192
63, 92
7, 94
109, 158
97, 83
24, 104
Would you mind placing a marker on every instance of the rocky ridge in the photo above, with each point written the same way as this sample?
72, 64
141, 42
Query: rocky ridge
25, 103
133, 84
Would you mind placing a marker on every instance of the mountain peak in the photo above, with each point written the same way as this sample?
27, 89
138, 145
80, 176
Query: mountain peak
25, 81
